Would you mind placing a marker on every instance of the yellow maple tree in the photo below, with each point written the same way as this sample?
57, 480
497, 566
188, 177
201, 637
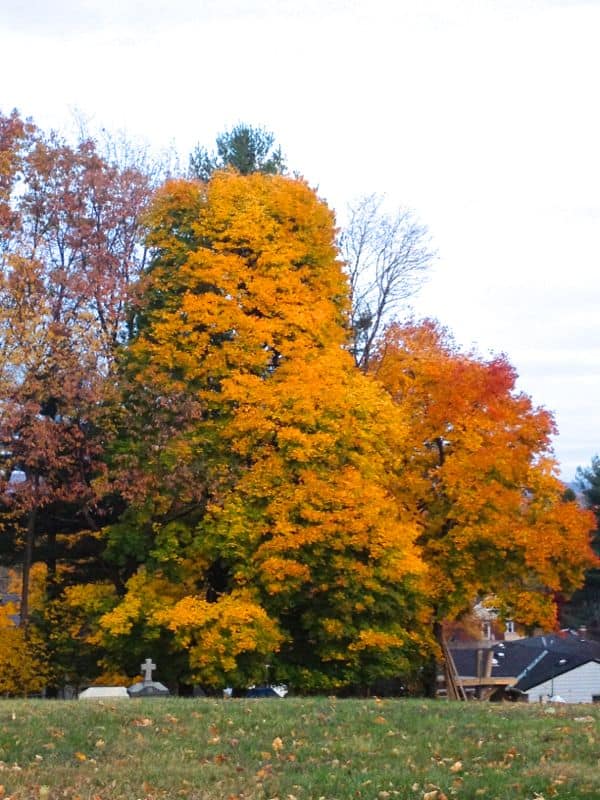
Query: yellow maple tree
271, 450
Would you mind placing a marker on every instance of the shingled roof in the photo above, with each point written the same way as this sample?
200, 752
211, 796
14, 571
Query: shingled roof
533, 660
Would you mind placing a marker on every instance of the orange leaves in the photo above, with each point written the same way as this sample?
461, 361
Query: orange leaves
494, 519
258, 262
244, 312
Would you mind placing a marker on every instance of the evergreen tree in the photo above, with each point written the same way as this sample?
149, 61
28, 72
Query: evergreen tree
244, 148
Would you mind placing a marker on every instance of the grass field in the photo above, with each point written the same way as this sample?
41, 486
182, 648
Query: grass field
297, 749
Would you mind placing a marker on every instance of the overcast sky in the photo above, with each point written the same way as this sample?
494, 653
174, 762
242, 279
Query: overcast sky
481, 115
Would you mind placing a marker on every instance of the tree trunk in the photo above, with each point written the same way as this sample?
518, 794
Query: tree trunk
430, 682
27, 558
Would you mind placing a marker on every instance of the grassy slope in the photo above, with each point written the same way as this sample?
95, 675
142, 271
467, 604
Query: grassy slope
297, 748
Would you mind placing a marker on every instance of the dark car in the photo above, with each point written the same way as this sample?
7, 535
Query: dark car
266, 691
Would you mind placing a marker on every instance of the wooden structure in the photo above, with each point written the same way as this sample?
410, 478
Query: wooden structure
454, 685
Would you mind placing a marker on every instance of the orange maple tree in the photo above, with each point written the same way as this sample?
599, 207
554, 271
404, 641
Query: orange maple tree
494, 517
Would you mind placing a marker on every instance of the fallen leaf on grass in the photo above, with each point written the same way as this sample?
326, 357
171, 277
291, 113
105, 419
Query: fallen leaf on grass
264, 772
277, 744
456, 767
80, 756
144, 722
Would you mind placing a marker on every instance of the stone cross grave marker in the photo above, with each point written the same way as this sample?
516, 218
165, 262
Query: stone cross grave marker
147, 668
148, 687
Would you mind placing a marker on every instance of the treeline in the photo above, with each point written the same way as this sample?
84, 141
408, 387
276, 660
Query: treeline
222, 446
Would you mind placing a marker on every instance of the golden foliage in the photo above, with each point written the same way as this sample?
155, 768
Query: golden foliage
23, 663
294, 453
219, 635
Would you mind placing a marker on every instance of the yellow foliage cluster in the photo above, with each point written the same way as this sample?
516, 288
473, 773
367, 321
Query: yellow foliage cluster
217, 635
147, 595
23, 664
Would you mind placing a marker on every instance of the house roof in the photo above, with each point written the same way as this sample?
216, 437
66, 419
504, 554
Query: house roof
533, 660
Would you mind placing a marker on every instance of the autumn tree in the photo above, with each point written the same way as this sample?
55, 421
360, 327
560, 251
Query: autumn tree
266, 496
494, 519
583, 609
70, 249
386, 258
244, 148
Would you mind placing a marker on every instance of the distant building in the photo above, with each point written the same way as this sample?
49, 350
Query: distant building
537, 668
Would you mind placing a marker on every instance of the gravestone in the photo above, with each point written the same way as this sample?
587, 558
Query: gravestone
103, 693
148, 687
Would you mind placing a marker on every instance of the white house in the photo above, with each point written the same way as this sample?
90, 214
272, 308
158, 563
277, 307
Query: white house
578, 685
536, 668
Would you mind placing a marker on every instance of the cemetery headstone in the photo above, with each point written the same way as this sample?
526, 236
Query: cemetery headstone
148, 687
103, 693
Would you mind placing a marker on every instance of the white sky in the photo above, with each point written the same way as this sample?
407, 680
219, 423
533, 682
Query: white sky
481, 115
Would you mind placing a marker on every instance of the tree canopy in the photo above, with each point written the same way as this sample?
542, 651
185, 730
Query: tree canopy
494, 518
218, 444
71, 247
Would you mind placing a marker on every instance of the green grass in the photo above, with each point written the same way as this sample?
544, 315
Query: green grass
302, 749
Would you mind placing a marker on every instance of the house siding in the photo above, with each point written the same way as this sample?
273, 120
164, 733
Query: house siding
576, 686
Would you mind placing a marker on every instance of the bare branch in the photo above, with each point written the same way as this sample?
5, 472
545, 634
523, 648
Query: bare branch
386, 258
